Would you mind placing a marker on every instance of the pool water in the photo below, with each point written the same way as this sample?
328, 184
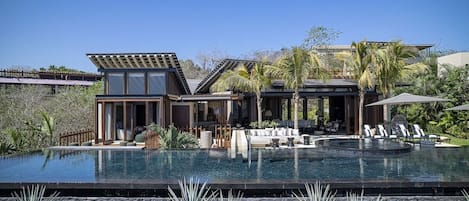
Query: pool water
96, 166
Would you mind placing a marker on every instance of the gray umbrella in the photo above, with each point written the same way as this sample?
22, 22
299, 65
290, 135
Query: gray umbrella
406, 98
461, 107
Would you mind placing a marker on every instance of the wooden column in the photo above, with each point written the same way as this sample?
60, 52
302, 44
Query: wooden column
347, 114
146, 113
96, 135
305, 108
124, 122
289, 108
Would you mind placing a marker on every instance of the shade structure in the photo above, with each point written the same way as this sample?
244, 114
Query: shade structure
406, 98
460, 107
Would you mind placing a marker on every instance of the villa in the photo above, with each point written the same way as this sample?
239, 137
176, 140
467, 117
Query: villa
141, 88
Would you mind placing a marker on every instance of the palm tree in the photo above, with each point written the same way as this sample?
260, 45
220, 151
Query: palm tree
391, 67
361, 63
294, 69
253, 81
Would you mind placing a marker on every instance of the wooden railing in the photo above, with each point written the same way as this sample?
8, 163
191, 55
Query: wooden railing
152, 140
223, 136
50, 75
76, 137
194, 131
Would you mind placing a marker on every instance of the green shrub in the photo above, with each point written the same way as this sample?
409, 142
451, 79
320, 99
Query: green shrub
172, 138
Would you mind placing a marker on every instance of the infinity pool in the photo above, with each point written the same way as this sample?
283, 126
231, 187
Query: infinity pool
97, 166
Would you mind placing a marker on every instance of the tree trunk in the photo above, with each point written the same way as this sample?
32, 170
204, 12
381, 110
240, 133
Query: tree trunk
296, 99
360, 113
259, 109
386, 110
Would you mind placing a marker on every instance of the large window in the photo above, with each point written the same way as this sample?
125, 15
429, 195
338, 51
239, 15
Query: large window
116, 83
156, 83
136, 84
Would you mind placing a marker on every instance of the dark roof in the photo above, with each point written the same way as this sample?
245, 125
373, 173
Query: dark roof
226, 64
140, 60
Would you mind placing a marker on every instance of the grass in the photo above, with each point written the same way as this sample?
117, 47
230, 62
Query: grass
456, 141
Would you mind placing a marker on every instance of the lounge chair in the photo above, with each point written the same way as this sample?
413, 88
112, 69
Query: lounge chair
368, 133
384, 133
332, 127
404, 132
420, 132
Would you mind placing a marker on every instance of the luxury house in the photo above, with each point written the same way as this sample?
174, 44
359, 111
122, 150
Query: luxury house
141, 88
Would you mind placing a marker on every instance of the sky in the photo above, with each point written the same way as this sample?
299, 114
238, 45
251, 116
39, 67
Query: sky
60, 32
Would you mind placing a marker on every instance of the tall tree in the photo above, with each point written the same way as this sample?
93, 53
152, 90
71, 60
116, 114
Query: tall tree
294, 69
391, 67
242, 79
361, 63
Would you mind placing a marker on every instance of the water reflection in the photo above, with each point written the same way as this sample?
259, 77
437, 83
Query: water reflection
292, 164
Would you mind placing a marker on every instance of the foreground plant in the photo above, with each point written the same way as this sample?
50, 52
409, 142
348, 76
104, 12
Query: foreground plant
192, 190
231, 196
466, 195
315, 192
356, 197
34, 193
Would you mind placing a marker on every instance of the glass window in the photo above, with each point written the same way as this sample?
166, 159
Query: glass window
157, 83
116, 83
136, 83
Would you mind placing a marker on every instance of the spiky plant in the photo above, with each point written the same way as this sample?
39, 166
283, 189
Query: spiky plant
34, 193
231, 196
316, 192
466, 195
192, 190
356, 197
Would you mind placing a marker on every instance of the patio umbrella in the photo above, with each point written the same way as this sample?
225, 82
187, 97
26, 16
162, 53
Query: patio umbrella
460, 107
406, 98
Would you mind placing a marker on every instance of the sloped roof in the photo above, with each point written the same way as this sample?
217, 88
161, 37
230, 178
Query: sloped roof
226, 64
139, 60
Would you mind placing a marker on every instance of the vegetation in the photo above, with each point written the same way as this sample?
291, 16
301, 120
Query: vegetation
465, 194
32, 116
34, 193
171, 138
391, 67
452, 84
294, 69
361, 63
315, 192
192, 70
53, 68
192, 190
356, 197
242, 79
264, 124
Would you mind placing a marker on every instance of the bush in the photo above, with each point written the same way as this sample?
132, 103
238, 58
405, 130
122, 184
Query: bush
172, 138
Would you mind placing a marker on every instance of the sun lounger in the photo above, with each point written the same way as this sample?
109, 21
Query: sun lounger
384, 133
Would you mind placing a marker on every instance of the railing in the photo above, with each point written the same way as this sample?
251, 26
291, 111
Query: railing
223, 136
152, 140
78, 137
194, 131
50, 75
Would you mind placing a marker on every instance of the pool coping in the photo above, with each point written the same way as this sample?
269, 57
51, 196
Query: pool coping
254, 188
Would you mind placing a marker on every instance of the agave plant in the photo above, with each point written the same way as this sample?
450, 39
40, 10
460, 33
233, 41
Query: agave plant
466, 194
34, 193
356, 197
315, 192
231, 196
192, 190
